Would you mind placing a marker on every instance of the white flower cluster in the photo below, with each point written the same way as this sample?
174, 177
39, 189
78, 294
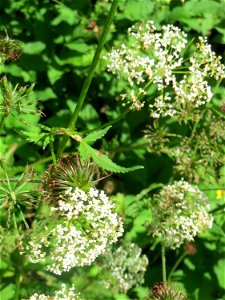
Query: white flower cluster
63, 294
180, 214
158, 58
88, 224
126, 266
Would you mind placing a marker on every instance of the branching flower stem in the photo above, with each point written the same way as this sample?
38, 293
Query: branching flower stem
88, 80
179, 260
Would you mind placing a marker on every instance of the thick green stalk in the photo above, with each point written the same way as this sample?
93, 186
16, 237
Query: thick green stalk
163, 256
88, 80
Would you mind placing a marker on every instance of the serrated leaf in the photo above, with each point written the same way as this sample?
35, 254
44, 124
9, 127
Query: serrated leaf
102, 160
46, 142
36, 137
98, 134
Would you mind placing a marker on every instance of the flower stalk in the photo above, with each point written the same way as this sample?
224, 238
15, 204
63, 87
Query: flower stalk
163, 257
88, 80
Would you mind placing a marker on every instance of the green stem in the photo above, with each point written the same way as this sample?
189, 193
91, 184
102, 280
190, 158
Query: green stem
125, 112
219, 208
176, 265
163, 256
17, 289
1, 124
88, 80
18, 280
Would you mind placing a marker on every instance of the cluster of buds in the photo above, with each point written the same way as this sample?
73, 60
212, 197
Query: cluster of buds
179, 214
157, 58
85, 221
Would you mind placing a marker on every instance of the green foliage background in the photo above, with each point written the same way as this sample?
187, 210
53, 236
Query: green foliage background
59, 39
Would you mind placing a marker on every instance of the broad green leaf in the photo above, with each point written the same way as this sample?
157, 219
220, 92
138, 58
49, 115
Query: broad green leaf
45, 94
81, 60
136, 10
98, 134
54, 74
7, 292
103, 160
219, 270
34, 47
66, 14
89, 117
78, 46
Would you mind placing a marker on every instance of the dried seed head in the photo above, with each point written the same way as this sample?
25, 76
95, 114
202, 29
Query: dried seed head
69, 173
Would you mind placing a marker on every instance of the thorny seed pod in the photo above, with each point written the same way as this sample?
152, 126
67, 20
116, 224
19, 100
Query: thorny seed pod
9, 49
69, 172
165, 291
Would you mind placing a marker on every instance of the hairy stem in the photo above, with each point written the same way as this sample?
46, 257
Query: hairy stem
88, 80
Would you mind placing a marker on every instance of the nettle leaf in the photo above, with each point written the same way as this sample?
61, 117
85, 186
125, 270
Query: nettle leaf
98, 134
102, 160
36, 137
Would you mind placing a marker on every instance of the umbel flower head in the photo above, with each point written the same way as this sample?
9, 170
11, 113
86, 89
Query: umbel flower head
179, 214
124, 267
153, 58
165, 291
83, 221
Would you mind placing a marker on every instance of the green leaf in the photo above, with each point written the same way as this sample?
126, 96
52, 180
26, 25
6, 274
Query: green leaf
135, 10
78, 46
102, 160
98, 134
66, 14
219, 270
34, 47
7, 292
79, 59
45, 94
54, 74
